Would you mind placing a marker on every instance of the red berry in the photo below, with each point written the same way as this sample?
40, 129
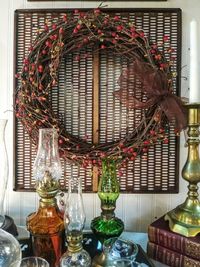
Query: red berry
44, 52
142, 34
146, 142
82, 14
131, 150
121, 145
61, 31
97, 11
132, 29
54, 26
113, 34
125, 150
99, 32
26, 61
165, 38
116, 18
119, 28
55, 37
78, 27
76, 11
85, 40
103, 46
166, 141
46, 28
145, 149
60, 141
40, 69
48, 43
32, 66
152, 132
75, 30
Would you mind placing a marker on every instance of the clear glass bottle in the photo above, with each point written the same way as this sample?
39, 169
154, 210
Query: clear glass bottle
10, 251
74, 219
46, 225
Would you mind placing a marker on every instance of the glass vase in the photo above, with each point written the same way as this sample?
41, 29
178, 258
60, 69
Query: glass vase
46, 225
10, 251
4, 168
74, 219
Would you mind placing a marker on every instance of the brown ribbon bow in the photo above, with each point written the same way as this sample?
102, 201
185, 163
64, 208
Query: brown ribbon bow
151, 85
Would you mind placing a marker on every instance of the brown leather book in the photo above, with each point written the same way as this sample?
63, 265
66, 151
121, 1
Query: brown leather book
170, 257
159, 233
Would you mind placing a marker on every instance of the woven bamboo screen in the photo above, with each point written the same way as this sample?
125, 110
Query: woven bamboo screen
85, 104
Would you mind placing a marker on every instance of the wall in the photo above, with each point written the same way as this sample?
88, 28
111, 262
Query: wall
136, 210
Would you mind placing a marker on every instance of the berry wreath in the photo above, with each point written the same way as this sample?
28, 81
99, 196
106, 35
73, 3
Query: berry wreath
77, 30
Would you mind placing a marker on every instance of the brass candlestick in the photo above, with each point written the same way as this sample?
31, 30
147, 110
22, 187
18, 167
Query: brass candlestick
185, 219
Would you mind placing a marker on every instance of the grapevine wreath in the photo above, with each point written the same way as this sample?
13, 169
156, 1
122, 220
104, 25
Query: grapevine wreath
96, 28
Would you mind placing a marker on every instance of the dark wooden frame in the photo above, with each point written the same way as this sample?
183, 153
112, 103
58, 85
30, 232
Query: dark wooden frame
179, 45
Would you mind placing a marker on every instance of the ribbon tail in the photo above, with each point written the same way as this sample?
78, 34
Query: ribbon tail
174, 110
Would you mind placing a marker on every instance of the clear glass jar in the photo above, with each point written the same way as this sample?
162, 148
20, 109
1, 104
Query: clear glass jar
120, 253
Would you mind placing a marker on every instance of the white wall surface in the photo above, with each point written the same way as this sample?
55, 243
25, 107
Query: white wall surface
136, 210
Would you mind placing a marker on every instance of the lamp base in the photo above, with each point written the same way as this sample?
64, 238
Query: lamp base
185, 218
99, 260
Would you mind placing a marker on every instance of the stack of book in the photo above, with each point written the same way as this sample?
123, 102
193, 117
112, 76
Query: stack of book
170, 248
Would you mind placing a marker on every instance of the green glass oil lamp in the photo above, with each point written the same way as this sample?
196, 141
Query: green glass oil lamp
107, 225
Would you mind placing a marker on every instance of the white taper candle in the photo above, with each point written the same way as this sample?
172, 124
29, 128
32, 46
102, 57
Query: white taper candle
194, 96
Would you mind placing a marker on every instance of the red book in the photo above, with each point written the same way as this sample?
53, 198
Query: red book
170, 257
159, 233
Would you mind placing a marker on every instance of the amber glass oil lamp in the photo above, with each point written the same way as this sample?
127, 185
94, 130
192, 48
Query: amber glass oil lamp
46, 225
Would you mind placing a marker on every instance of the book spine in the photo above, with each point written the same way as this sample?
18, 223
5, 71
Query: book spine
175, 242
169, 257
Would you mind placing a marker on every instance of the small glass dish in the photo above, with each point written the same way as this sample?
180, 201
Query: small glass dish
34, 262
120, 252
